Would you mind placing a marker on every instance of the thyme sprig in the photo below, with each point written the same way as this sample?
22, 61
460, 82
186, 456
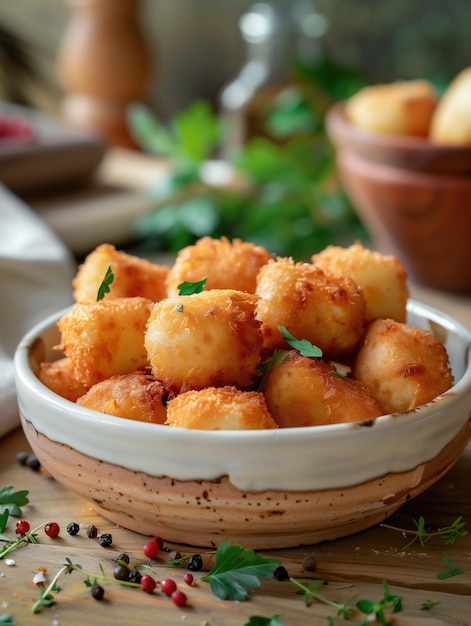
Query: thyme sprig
311, 594
47, 594
422, 534
28, 537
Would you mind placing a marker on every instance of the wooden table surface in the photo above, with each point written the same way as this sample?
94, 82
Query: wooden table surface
355, 565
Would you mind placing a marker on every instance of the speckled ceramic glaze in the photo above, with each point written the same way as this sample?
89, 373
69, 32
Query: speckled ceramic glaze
269, 489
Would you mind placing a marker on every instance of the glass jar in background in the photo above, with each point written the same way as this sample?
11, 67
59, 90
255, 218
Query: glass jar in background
276, 34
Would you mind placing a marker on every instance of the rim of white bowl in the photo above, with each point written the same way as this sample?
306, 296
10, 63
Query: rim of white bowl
290, 459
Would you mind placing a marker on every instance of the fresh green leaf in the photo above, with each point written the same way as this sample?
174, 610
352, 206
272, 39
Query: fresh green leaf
151, 134
12, 501
3, 521
188, 289
265, 367
453, 570
104, 287
305, 347
198, 131
428, 604
238, 569
7, 619
422, 534
257, 620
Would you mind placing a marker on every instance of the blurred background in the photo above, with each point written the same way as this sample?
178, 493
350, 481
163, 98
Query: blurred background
197, 47
264, 73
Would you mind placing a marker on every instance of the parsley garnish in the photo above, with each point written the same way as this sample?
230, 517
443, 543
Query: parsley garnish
188, 289
104, 288
311, 595
304, 347
12, 502
258, 620
238, 569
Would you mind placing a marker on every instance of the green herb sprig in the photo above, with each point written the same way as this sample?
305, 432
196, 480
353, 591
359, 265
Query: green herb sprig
422, 534
453, 570
310, 593
28, 537
370, 607
236, 570
105, 285
46, 594
303, 346
12, 501
190, 288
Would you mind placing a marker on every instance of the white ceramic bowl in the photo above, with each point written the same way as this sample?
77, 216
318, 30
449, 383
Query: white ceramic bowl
266, 489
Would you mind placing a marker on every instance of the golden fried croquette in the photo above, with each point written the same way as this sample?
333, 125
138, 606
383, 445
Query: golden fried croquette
225, 265
132, 276
208, 339
402, 365
137, 396
105, 338
60, 377
382, 278
221, 408
328, 311
451, 121
399, 108
304, 391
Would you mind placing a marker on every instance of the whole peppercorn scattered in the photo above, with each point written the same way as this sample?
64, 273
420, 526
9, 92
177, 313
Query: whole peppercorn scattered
92, 531
134, 576
73, 528
123, 557
148, 584
22, 527
33, 463
195, 563
97, 592
188, 578
105, 540
309, 563
281, 573
178, 598
52, 529
174, 555
121, 572
22, 457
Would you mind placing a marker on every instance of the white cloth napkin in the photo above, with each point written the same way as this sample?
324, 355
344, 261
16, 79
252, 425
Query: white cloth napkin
36, 270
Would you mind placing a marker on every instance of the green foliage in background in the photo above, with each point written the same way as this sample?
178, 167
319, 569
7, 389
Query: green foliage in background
284, 196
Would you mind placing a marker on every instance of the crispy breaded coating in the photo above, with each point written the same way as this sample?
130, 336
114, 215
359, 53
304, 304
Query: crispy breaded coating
61, 378
136, 396
382, 278
328, 311
133, 276
402, 365
225, 265
208, 339
221, 408
105, 338
304, 391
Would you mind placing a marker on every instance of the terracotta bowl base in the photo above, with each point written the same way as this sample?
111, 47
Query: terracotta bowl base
204, 513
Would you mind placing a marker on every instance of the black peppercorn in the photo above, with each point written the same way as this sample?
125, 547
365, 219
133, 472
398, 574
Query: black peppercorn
309, 563
92, 531
134, 575
97, 592
22, 457
73, 528
33, 463
121, 572
281, 573
105, 540
195, 563
123, 558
